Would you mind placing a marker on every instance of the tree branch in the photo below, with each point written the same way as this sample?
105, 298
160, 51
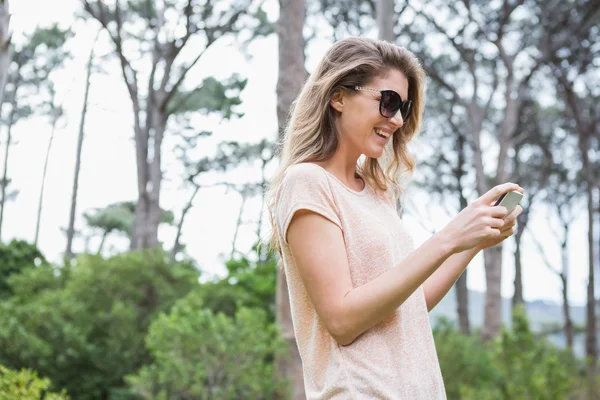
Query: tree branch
542, 252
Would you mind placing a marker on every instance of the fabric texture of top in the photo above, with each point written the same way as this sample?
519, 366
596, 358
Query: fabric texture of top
396, 359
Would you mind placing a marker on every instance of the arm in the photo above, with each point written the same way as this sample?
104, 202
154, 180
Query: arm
317, 246
440, 282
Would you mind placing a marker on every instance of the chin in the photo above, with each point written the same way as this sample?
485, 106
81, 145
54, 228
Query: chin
374, 153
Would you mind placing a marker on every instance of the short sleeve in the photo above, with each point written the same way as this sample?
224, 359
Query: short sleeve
304, 187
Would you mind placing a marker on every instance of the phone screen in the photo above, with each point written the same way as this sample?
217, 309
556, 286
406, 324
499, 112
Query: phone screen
499, 199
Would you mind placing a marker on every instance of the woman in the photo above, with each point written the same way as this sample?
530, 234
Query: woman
359, 291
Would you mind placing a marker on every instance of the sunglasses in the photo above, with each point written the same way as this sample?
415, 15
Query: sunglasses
389, 103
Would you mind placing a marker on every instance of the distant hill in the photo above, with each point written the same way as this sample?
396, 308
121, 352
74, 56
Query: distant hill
540, 313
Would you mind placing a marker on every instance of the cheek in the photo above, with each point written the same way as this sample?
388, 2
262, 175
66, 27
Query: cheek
363, 116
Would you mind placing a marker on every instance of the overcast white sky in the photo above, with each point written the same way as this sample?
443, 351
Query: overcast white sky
108, 171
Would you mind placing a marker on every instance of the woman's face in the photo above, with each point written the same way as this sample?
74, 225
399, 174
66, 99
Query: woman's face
359, 117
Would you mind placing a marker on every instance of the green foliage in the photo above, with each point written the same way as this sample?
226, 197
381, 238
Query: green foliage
464, 360
531, 368
25, 385
85, 329
202, 355
119, 217
14, 257
517, 365
211, 96
248, 284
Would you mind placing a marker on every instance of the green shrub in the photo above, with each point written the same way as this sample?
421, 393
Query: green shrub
25, 385
200, 355
86, 330
14, 257
516, 365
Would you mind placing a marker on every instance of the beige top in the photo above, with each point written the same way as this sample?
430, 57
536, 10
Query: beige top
396, 359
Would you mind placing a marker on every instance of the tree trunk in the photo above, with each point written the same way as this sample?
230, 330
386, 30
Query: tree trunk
41, 199
5, 46
517, 298
523, 219
462, 301
239, 220
462, 291
72, 212
385, 20
101, 246
289, 83
147, 210
564, 277
590, 340
493, 295
262, 253
177, 245
11, 120
585, 130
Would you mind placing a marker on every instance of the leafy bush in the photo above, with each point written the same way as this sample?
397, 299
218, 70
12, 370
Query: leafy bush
248, 284
465, 361
25, 385
85, 329
517, 365
200, 355
14, 257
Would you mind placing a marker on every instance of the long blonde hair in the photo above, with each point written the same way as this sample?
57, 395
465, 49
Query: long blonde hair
311, 135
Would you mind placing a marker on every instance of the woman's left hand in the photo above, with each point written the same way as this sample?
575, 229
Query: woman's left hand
506, 231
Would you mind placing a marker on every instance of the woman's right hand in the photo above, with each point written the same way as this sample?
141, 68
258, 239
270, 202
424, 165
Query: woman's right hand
479, 221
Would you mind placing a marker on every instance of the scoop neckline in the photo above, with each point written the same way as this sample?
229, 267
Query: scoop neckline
359, 193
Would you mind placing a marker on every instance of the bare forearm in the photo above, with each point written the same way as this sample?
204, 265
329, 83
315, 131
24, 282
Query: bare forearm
367, 305
441, 281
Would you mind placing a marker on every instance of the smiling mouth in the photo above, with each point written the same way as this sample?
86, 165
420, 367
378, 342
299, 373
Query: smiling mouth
382, 134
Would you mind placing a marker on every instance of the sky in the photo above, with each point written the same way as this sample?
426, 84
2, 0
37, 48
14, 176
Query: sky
108, 171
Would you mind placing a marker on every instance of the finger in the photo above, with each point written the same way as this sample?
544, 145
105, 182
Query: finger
518, 210
513, 215
498, 212
496, 223
508, 230
497, 191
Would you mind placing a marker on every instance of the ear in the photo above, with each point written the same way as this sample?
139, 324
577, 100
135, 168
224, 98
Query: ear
337, 100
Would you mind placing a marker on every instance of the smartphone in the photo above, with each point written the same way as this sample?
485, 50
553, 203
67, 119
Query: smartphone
509, 200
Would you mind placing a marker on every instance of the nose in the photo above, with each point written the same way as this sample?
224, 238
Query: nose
397, 120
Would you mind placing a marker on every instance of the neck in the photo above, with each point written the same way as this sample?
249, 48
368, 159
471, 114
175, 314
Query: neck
342, 164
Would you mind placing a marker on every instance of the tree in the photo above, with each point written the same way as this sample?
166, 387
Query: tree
561, 200
145, 32
56, 112
479, 65
5, 46
229, 155
117, 217
446, 175
532, 164
73, 209
33, 62
385, 20
572, 63
228, 360
289, 82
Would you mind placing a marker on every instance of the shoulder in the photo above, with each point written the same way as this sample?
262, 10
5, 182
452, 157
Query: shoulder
305, 177
305, 172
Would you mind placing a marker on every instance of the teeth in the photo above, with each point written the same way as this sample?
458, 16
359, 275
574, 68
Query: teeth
382, 133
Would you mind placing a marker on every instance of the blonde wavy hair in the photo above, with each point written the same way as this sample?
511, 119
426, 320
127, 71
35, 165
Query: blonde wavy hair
311, 134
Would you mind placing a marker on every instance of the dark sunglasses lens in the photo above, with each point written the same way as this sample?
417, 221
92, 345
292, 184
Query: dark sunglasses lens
406, 110
389, 104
